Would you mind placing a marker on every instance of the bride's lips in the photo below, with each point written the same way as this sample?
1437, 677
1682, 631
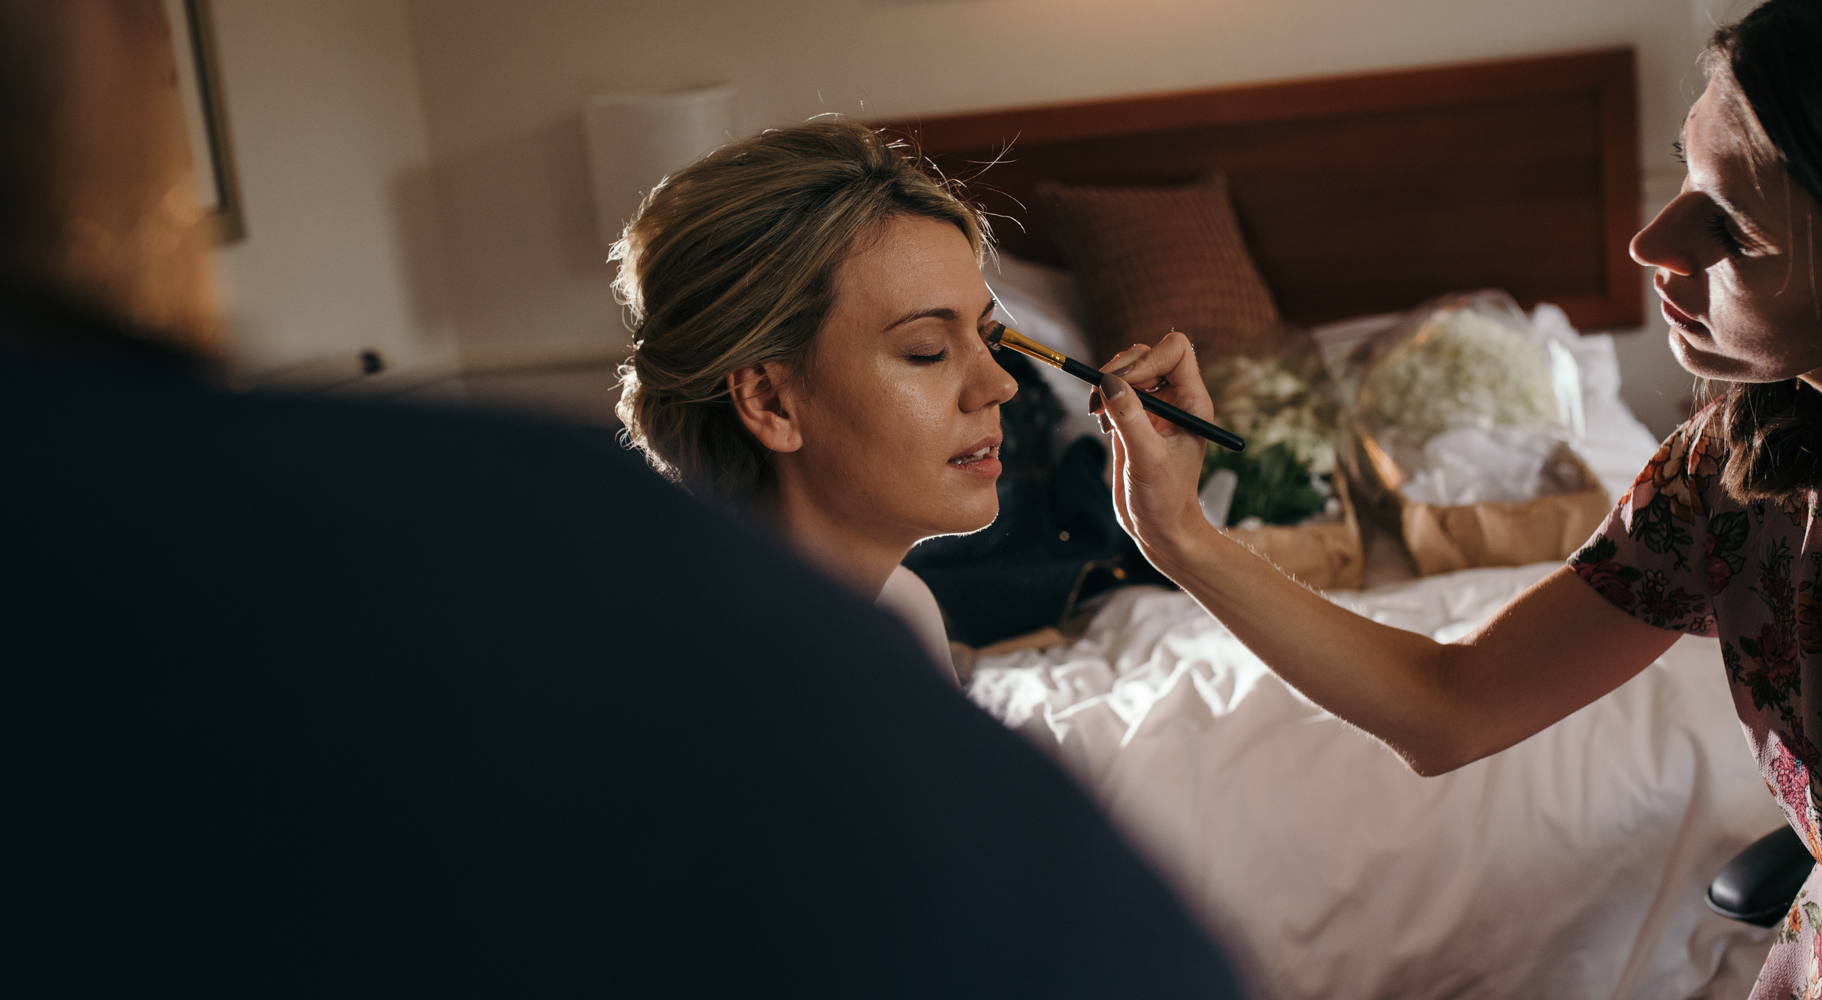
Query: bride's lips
982, 458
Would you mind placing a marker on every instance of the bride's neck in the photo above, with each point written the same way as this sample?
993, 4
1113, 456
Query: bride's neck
854, 554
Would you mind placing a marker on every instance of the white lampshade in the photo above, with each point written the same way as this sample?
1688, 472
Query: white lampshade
635, 140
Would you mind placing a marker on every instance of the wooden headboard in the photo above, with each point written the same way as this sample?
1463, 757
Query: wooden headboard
1360, 194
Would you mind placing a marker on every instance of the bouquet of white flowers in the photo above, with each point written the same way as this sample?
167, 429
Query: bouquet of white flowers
1283, 404
1284, 495
1461, 402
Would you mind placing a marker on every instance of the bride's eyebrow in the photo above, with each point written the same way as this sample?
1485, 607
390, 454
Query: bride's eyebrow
943, 313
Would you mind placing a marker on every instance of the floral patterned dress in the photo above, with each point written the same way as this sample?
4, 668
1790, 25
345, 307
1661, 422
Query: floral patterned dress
1680, 554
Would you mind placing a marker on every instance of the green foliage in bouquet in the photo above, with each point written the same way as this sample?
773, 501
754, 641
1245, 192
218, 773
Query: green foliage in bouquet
1275, 483
1284, 398
1283, 403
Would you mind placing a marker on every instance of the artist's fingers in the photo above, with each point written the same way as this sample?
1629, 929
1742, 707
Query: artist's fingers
1137, 438
1143, 367
1094, 410
1175, 360
1117, 465
1170, 371
1125, 362
1097, 402
1140, 364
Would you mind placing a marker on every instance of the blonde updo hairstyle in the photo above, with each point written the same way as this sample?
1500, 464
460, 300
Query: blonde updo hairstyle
730, 264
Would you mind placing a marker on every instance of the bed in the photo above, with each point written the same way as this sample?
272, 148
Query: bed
1572, 865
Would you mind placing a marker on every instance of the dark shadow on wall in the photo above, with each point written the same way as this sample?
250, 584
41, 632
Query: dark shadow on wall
582, 394
417, 221
518, 234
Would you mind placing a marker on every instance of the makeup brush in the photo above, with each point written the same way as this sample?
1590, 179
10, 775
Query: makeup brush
1000, 335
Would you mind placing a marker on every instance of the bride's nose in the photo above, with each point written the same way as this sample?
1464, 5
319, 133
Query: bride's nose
988, 384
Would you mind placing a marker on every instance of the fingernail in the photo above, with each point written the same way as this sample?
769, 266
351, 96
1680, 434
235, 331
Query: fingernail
1112, 386
1122, 371
1094, 401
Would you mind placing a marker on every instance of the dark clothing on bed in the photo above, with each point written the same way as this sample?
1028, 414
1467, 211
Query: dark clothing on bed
313, 698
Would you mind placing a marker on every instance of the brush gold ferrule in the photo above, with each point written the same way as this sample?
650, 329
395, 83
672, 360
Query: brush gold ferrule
999, 335
1030, 348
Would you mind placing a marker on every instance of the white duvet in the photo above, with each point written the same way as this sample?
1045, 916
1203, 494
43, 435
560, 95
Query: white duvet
1572, 865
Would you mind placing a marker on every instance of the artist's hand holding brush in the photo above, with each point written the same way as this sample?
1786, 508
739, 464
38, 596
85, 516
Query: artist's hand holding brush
1303, 637
1155, 463
1438, 706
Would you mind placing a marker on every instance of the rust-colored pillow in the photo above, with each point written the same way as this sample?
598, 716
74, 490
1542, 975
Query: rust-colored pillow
1153, 259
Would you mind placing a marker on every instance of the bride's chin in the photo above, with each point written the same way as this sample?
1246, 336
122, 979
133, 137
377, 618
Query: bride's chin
972, 521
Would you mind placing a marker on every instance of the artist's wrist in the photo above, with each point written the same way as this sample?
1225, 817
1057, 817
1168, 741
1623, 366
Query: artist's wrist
1187, 544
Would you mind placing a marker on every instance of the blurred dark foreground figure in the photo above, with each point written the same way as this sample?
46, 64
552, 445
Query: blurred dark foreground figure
306, 699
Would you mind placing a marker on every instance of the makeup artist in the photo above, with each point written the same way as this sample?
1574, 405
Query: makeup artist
1718, 537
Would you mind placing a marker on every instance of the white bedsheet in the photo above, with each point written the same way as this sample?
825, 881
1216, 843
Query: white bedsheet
1572, 865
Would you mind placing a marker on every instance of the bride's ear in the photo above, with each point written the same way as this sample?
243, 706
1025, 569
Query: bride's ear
766, 410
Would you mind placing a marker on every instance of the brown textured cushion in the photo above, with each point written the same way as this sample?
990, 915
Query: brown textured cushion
1150, 259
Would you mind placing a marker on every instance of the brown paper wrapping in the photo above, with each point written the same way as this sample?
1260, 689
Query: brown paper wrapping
1445, 539
1325, 556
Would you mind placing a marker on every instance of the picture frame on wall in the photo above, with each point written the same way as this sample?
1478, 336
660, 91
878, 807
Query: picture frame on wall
205, 113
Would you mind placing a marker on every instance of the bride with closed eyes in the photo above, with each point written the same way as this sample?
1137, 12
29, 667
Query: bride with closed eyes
809, 310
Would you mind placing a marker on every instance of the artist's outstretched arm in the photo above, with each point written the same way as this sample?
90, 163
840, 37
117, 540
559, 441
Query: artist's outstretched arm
1552, 650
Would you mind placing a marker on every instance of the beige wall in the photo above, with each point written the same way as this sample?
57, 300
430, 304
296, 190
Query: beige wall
333, 155
504, 82
339, 108
494, 70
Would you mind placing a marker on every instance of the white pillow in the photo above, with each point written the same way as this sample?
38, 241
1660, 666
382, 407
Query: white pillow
1045, 300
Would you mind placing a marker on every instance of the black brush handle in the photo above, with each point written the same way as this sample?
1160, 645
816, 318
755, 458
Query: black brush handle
1182, 418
